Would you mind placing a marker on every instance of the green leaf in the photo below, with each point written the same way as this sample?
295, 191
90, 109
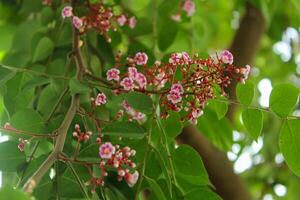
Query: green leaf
43, 49
5, 75
245, 92
125, 129
202, 194
190, 170
173, 125
90, 153
78, 88
28, 120
139, 101
219, 107
36, 81
156, 189
167, 34
289, 143
10, 156
283, 99
12, 194
219, 132
253, 121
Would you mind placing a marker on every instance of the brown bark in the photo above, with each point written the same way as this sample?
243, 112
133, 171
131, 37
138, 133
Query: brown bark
244, 47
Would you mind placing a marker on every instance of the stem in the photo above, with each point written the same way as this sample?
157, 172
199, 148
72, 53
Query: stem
56, 105
62, 133
29, 161
17, 69
63, 129
27, 133
144, 162
81, 185
168, 151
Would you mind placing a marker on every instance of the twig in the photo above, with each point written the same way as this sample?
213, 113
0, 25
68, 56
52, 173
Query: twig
63, 129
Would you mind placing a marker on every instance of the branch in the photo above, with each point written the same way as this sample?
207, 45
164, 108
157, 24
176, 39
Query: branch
63, 129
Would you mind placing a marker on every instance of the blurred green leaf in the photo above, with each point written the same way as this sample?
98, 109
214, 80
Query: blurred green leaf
220, 107
190, 170
5, 75
125, 129
139, 101
173, 125
76, 87
156, 188
289, 143
245, 92
283, 99
253, 121
13, 194
43, 50
167, 34
28, 120
10, 157
36, 81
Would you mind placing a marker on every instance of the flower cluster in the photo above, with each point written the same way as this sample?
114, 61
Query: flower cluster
185, 83
81, 136
132, 79
100, 18
187, 6
112, 156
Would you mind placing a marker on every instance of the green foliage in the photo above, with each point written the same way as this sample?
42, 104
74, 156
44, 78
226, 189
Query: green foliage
78, 88
245, 92
36, 85
220, 106
10, 157
44, 48
125, 129
12, 194
289, 143
283, 99
139, 101
191, 170
253, 121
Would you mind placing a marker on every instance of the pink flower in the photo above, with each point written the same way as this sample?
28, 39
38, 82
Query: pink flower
176, 17
185, 56
226, 57
189, 7
106, 150
67, 12
132, 179
132, 72
245, 72
122, 19
77, 22
132, 22
141, 58
174, 97
196, 113
126, 105
100, 99
113, 74
160, 80
141, 80
127, 83
179, 58
177, 87
140, 117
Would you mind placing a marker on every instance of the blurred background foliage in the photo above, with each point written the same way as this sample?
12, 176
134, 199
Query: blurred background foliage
23, 23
